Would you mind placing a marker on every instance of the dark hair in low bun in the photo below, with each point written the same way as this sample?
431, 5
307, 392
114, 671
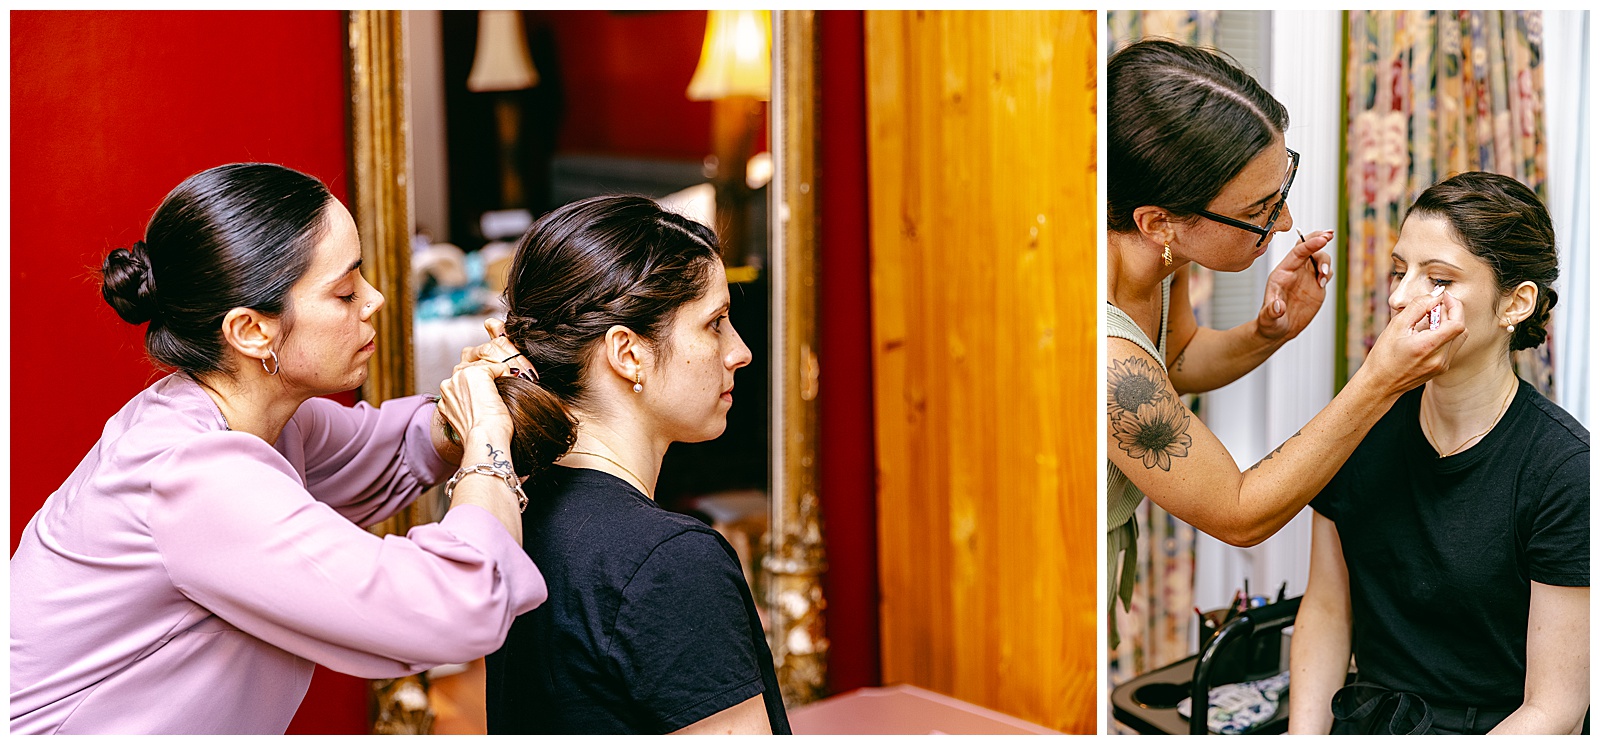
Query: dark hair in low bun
129, 286
234, 236
581, 269
1535, 328
1503, 222
1181, 122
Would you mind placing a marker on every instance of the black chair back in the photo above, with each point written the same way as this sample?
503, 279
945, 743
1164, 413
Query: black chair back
1221, 656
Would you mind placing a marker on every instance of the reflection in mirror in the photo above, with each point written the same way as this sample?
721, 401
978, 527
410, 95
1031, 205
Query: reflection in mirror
600, 105
513, 113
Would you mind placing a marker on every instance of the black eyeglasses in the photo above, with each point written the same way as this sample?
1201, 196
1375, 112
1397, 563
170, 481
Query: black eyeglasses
1265, 231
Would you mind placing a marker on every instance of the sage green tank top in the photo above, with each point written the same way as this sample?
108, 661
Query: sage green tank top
1122, 497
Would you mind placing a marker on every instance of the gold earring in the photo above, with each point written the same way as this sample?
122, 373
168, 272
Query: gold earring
638, 387
1166, 253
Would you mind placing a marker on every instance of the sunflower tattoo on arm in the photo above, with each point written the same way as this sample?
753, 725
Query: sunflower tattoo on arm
1149, 423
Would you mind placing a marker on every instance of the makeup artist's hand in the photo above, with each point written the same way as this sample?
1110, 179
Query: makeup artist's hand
1408, 353
1296, 288
499, 349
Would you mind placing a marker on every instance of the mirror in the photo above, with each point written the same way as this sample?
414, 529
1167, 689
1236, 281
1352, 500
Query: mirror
778, 486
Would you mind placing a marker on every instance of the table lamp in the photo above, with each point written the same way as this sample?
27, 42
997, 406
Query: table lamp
501, 64
735, 74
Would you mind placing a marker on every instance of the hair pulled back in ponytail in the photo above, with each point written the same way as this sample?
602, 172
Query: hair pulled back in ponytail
580, 270
1503, 222
234, 236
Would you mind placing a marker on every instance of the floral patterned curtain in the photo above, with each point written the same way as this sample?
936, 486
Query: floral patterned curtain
1156, 630
1188, 26
1431, 94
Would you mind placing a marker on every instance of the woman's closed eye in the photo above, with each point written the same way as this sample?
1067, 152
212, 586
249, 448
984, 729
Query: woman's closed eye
351, 298
1398, 275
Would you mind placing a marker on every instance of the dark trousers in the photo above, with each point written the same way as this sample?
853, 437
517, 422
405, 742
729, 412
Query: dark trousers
1369, 709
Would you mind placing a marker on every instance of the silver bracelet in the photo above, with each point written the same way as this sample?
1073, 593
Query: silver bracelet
505, 474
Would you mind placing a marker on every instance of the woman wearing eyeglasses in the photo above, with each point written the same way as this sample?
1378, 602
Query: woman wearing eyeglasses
1198, 172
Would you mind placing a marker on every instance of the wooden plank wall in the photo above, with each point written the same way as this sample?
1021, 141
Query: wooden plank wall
981, 148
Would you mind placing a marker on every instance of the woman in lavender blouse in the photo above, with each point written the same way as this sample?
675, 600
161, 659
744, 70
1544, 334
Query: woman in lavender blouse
208, 551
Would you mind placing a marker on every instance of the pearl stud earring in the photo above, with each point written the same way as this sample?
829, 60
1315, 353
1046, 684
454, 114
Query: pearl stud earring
637, 386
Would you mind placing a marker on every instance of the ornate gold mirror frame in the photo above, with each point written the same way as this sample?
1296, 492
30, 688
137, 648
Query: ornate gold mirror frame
796, 559
380, 200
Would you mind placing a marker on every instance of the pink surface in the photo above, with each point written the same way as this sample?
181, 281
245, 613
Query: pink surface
905, 710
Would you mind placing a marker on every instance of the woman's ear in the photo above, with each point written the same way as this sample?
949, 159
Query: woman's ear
250, 332
626, 354
1520, 303
1155, 224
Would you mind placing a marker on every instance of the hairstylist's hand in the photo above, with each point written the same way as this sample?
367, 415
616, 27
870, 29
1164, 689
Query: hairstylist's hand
471, 403
499, 349
1408, 353
1296, 288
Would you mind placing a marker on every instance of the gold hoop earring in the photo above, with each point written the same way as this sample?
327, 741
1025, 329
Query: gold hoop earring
638, 387
275, 363
1166, 253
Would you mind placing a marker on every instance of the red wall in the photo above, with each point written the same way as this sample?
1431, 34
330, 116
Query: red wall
847, 463
623, 76
109, 111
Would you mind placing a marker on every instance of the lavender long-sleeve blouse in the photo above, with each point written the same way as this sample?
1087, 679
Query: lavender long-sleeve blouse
185, 578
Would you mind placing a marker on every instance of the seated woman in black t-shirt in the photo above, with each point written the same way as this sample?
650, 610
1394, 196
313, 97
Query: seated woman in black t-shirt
1451, 552
622, 309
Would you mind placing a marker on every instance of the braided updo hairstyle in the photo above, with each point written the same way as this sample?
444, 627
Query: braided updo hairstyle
581, 269
1502, 222
234, 236
1181, 122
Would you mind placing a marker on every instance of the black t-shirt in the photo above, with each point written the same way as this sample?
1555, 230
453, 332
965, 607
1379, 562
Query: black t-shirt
649, 626
1441, 551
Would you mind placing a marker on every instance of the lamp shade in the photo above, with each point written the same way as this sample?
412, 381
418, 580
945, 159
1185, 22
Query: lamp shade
501, 62
736, 59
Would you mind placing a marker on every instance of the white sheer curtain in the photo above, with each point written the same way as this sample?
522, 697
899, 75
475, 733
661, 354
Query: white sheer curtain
1270, 404
1566, 91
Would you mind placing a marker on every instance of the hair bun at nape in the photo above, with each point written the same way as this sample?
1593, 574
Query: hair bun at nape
128, 284
543, 429
1533, 331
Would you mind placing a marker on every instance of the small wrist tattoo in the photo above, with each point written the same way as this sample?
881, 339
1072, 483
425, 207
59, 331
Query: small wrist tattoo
498, 457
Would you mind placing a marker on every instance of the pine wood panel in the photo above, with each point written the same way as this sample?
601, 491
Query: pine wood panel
981, 141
